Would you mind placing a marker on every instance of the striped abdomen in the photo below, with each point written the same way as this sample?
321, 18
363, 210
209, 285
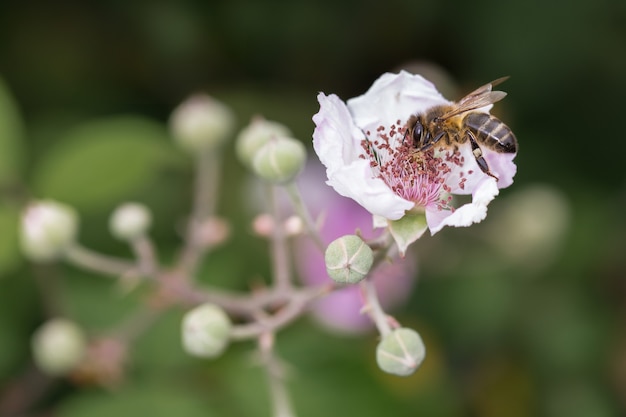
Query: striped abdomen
491, 132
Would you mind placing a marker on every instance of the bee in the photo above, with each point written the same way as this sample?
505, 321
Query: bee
460, 122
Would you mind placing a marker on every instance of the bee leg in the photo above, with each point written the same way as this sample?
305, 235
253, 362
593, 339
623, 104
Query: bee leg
431, 143
478, 154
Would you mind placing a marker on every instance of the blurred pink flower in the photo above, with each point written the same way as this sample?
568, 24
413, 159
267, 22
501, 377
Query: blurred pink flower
341, 310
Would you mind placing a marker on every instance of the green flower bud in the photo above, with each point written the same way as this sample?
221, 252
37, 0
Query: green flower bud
279, 160
348, 259
400, 352
48, 229
206, 331
255, 135
201, 123
130, 221
58, 346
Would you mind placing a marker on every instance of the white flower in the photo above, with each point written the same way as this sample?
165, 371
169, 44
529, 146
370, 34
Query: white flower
362, 145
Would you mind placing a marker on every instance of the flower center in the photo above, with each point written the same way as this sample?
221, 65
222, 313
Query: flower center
417, 176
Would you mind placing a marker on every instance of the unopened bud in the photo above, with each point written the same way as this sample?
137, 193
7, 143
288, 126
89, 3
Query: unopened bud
48, 229
279, 160
348, 259
206, 331
294, 225
400, 352
201, 123
129, 221
58, 346
263, 225
255, 135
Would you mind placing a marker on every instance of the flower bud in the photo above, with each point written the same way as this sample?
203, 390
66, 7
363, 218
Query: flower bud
255, 135
400, 352
48, 228
279, 160
348, 259
129, 221
201, 123
205, 331
58, 346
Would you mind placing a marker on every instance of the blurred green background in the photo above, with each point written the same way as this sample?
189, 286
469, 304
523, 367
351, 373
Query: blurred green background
522, 315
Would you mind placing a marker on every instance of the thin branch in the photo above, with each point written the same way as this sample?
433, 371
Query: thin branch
146, 256
297, 302
280, 260
97, 262
373, 307
207, 173
303, 212
276, 375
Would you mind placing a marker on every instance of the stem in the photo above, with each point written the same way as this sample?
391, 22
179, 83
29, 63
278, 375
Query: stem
373, 307
204, 206
275, 371
144, 251
298, 301
303, 212
280, 261
88, 259
206, 185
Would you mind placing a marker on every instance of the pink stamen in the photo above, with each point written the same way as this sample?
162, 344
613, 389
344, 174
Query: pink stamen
417, 176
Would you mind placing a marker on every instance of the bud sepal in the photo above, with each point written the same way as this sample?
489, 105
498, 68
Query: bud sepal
348, 259
206, 331
400, 352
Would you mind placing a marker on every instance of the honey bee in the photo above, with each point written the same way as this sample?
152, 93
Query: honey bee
458, 123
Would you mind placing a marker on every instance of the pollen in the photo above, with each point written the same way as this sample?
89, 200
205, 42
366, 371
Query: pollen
417, 176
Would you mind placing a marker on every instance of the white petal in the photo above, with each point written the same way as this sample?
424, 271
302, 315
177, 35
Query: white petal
393, 97
336, 140
356, 182
502, 165
467, 214
337, 143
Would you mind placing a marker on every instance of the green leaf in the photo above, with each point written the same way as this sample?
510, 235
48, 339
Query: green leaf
11, 137
104, 161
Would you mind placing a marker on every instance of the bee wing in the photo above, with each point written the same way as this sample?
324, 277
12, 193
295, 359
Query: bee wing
481, 97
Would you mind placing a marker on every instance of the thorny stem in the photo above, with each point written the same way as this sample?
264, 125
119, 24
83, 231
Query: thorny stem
303, 212
206, 186
204, 206
297, 302
144, 251
88, 259
279, 247
275, 371
373, 307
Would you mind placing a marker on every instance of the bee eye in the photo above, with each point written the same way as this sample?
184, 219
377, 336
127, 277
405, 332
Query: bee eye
417, 132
